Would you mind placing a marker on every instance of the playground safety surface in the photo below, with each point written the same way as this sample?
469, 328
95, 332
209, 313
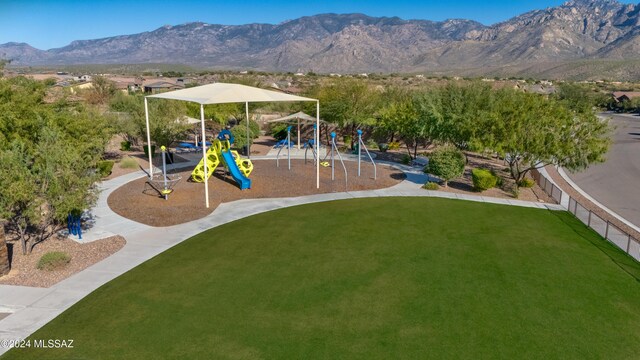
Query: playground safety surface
141, 203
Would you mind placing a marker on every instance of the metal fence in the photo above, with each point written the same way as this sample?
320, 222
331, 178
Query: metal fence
605, 228
550, 188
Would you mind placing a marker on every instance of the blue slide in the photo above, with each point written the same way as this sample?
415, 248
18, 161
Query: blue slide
243, 181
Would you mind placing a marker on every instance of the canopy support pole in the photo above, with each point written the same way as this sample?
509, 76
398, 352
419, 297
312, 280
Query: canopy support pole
246, 107
204, 157
298, 133
146, 114
317, 145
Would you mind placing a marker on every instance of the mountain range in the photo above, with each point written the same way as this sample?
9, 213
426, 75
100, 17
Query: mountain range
578, 30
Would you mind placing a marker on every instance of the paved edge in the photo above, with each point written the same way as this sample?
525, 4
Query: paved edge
577, 188
32, 308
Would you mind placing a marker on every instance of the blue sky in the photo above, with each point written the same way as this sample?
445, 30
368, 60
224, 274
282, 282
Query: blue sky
51, 24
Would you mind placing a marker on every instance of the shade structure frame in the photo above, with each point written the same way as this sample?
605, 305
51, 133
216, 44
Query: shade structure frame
223, 93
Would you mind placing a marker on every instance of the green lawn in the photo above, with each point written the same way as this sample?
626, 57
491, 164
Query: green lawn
383, 278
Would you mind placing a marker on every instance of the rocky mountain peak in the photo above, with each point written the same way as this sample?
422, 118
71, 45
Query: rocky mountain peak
338, 43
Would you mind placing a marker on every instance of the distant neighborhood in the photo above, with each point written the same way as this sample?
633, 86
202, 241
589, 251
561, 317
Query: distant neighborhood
615, 95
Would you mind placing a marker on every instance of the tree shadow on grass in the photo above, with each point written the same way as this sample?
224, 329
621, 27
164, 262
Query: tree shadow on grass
623, 260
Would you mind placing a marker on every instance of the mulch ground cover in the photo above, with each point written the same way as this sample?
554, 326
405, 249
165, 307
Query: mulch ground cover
139, 202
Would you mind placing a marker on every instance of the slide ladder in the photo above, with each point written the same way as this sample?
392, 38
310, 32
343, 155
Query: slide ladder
213, 160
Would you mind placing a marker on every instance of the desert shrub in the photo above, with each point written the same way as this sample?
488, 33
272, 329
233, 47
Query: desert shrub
383, 147
129, 163
254, 128
394, 145
446, 163
347, 140
431, 186
371, 144
53, 260
105, 167
125, 145
278, 131
406, 159
483, 179
526, 183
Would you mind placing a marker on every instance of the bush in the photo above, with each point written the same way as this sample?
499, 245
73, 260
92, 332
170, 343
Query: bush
383, 147
125, 146
431, 186
254, 128
240, 134
527, 183
406, 159
279, 131
483, 179
145, 148
347, 140
394, 145
105, 167
128, 163
53, 260
446, 163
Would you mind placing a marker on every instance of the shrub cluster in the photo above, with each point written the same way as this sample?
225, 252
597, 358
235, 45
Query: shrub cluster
105, 167
431, 186
526, 183
483, 179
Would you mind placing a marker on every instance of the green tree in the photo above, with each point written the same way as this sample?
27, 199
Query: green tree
20, 201
532, 131
406, 115
462, 113
348, 103
167, 121
102, 91
47, 159
446, 163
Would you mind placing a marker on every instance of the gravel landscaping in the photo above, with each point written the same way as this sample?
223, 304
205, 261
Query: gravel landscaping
23, 267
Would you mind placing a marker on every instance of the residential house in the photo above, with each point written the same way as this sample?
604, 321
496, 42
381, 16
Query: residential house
620, 96
161, 86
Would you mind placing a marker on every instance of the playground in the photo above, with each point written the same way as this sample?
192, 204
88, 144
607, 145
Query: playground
268, 181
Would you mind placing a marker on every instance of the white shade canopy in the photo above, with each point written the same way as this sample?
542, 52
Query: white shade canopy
222, 93
297, 116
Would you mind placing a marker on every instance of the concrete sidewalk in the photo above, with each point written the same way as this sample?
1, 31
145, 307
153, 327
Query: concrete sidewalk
31, 308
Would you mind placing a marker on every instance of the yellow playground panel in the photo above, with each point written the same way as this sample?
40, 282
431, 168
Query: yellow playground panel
214, 157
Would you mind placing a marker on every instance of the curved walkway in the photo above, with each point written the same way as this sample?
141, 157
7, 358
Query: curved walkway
32, 308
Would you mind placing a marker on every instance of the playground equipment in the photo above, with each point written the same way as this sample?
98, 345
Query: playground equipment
310, 145
288, 146
162, 182
360, 146
335, 148
220, 151
74, 225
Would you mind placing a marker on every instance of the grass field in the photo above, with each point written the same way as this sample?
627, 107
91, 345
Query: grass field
385, 278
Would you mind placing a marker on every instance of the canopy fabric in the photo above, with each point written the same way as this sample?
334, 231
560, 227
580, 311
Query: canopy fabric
297, 116
222, 93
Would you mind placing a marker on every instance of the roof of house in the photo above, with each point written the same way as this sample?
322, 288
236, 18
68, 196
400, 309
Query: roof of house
628, 94
162, 85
